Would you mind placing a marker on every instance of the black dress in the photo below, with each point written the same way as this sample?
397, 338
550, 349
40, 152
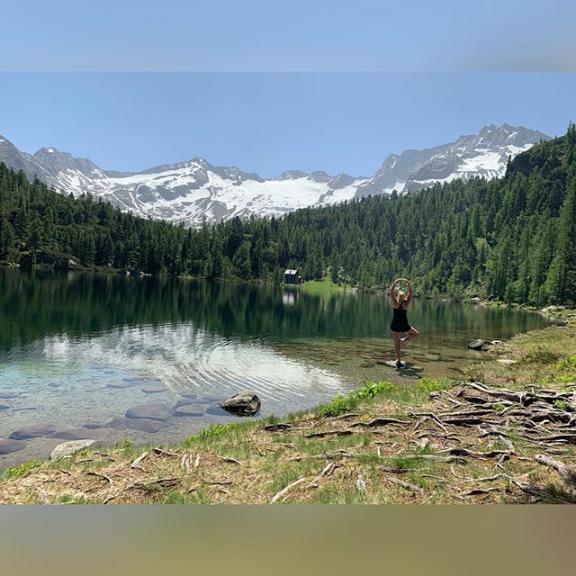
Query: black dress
400, 321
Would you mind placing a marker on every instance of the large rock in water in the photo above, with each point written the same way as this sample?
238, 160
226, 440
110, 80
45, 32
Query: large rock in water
477, 344
66, 449
243, 404
149, 412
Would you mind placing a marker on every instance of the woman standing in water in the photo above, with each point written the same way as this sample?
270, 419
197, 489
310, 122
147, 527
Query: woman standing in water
401, 329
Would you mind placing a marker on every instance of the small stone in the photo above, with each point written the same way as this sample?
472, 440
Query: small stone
242, 404
66, 449
149, 411
506, 361
8, 446
189, 410
34, 431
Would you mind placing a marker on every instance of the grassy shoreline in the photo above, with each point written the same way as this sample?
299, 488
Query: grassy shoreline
382, 443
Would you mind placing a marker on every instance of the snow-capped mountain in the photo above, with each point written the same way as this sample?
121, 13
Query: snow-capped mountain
196, 191
482, 155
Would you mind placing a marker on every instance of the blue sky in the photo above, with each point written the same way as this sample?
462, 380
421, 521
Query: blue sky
268, 85
270, 122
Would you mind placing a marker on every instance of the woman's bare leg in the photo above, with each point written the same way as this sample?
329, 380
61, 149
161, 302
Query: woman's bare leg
397, 345
413, 333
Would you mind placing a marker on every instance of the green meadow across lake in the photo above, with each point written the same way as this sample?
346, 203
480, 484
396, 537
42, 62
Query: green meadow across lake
78, 351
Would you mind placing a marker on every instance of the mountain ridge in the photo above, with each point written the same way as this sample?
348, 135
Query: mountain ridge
194, 191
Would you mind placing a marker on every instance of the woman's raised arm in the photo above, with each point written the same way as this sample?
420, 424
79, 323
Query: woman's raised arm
392, 292
410, 289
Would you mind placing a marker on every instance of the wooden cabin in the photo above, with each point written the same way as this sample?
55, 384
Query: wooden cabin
292, 277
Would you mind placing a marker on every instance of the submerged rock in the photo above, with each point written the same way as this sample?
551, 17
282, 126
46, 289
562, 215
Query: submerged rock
139, 424
243, 404
149, 411
73, 434
123, 385
184, 402
4, 406
189, 410
477, 344
33, 431
9, 395
66, 449
8, 446
154, 390
93, 425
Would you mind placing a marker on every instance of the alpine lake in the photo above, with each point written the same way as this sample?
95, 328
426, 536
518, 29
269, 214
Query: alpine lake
78, 350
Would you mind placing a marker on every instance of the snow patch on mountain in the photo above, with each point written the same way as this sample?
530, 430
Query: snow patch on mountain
196, 191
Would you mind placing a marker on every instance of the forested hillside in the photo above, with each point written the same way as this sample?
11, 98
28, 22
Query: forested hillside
511, 239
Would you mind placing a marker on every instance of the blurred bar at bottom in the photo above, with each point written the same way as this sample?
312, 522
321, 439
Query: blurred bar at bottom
86, 540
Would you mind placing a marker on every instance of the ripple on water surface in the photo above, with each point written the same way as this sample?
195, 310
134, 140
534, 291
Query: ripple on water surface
71, 383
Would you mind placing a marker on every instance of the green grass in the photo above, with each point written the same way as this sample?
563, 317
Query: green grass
217, 431
336, 495
368, 458
541, 356
70, 499
323, 287
291, 472
342, 404
405, 394
176, 497
567, 365
402, 393
20, 470
562, 404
